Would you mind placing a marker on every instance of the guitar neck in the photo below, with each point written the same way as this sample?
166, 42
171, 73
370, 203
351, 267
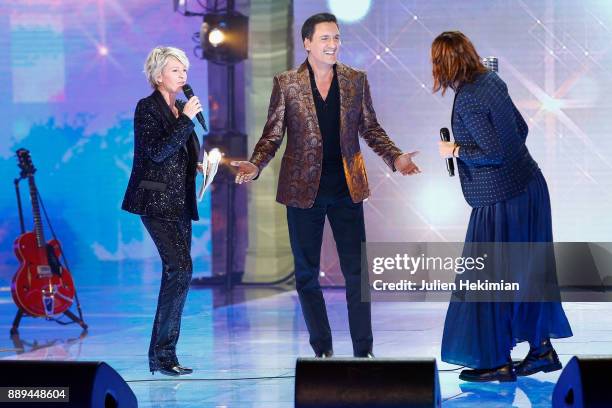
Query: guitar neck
38, 228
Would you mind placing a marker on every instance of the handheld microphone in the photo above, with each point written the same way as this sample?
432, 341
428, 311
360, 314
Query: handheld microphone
188, 94
450, 165
491, 63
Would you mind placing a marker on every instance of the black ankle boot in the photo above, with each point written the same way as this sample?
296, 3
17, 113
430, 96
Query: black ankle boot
543, 358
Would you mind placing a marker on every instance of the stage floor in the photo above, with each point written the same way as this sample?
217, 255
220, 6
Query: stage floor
243, 348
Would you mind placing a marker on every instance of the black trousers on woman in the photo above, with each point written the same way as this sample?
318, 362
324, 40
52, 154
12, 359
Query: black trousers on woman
173, 241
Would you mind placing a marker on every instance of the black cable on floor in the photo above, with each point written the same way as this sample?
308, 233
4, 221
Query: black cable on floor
181, 378
450, 370
452, 397
170, 378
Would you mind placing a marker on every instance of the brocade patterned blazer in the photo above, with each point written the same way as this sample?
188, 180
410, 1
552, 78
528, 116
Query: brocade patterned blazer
292, 110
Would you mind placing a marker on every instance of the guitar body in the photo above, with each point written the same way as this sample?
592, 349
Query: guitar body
42, 287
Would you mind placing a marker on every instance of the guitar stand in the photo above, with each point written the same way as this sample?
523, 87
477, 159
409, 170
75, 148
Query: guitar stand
16, 321
75, 319
20, 313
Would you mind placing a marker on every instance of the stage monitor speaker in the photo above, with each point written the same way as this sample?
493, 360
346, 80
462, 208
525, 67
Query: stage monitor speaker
584, 383
371, 383
91, 384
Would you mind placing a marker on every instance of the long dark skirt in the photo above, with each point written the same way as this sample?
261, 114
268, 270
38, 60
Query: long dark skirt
482, 334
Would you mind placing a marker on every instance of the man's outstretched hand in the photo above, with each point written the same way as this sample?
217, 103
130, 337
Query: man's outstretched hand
405, 165
247, 171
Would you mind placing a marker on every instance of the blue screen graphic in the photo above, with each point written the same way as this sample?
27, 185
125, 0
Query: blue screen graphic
70, 78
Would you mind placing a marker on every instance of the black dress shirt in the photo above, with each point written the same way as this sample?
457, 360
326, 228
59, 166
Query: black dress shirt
333, 181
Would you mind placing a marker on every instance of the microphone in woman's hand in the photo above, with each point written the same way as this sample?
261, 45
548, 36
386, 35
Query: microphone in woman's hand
188, 94
450, 165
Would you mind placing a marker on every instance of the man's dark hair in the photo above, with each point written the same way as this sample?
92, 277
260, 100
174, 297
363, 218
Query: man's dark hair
308, 27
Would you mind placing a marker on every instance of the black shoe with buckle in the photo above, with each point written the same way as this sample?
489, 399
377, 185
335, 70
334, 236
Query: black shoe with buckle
504, 373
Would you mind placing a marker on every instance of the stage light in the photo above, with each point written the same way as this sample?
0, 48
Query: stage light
224, 37
349, 11
551, 104
103, 50
216, 37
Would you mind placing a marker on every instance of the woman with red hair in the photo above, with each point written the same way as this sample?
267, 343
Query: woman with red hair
510, 203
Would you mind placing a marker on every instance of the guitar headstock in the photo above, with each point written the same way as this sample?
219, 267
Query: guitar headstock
25, 163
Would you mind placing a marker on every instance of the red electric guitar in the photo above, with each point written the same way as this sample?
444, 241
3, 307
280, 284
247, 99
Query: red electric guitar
42, 286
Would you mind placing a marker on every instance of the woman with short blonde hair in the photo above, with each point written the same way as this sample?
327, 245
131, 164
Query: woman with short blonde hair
158, 58
162, 191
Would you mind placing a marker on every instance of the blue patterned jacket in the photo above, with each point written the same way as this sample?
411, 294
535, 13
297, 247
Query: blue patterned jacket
494, 163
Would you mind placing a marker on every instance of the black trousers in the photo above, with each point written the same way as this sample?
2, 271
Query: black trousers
306, 236
173, 241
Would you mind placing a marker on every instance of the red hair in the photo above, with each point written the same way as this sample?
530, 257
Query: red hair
454, 61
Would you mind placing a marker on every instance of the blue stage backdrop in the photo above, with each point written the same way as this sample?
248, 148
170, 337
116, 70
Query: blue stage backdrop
70, 78
555, 57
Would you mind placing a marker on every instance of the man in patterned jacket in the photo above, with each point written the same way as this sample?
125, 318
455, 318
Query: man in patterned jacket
324, 105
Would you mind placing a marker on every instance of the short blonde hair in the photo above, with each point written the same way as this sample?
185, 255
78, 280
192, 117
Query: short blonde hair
157, 60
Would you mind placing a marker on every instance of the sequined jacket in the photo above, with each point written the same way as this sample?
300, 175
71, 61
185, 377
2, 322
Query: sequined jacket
160, 172
292, 109
494, 163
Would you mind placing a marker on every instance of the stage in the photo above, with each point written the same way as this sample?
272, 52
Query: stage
243, 347
71, 79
